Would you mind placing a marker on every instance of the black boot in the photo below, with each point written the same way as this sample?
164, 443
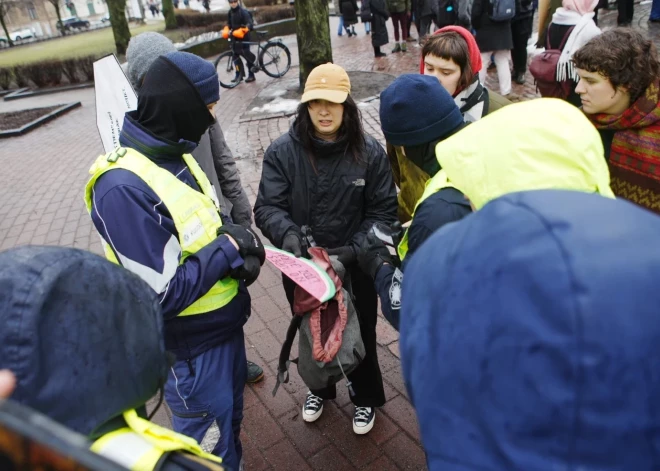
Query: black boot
250, 78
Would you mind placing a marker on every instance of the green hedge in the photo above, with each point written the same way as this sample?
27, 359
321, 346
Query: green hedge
49, 73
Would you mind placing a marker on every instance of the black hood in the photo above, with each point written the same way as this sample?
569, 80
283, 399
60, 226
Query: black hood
83, 336
169, 105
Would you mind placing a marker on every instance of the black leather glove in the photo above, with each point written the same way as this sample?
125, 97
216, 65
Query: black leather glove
249, 271
248, 242
292, 243
372, 254
346, 255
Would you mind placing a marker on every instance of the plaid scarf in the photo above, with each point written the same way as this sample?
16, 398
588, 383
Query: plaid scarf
635, 153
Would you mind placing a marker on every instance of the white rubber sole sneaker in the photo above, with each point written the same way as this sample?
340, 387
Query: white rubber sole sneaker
364, 429
312, 414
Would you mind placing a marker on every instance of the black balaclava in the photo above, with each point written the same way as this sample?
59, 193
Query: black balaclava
169, 105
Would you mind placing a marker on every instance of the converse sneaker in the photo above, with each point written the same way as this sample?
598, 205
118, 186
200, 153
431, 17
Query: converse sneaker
313, 407
363, 420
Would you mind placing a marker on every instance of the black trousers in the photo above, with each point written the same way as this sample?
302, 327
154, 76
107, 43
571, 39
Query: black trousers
625, 8
243, 50
521, 30
367, 379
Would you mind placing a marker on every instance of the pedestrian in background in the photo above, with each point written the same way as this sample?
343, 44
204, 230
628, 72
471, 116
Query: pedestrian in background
521, 30
365, 16
494, 38
428, 13
349, 12
379, 35
399, 12
572, 27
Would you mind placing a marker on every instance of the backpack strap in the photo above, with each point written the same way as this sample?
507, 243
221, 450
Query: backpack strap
284, 362
479, 94
563, 40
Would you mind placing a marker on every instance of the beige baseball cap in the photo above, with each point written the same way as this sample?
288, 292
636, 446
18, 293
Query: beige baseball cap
327, 82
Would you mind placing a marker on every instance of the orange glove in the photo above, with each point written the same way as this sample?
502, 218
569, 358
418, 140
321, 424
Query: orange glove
225, 32
240, 32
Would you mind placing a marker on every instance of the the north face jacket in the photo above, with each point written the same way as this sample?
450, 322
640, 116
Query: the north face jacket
537, 317
340, 200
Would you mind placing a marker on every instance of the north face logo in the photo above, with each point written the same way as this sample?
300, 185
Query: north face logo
359, 182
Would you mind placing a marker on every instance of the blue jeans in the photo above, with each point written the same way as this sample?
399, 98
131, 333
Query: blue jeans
205, 395
367, 26
655, 10
341, 26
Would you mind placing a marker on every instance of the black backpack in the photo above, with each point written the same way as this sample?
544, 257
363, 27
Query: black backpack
502, 10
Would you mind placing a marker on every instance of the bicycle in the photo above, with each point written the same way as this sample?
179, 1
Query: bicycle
274, 58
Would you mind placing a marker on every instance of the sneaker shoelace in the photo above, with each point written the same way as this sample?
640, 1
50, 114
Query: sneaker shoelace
313, 402
362, 414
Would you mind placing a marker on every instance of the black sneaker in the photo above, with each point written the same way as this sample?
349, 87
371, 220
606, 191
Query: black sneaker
254, 373
250, 78
313, 408
237, 78
380, 54
519, 79
363, 420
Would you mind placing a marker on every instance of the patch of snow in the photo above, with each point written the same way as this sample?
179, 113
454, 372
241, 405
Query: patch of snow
277, 106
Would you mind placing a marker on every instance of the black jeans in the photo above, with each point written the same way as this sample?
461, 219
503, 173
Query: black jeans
243, 50
366, 379
625, 8
521, 30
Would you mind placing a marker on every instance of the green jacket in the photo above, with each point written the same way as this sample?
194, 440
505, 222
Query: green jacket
398, 6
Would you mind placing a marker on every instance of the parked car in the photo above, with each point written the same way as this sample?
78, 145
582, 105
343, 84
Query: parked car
18, 35
72, 23
105, 18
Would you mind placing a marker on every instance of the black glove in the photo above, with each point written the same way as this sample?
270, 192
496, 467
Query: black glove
248, 242
346, 255
292, 243
249, 271
372, 254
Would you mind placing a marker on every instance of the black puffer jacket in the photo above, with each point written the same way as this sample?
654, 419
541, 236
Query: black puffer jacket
340, 201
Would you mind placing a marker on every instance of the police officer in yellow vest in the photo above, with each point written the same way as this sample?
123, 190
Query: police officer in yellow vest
84, 339
158, 216
536, 145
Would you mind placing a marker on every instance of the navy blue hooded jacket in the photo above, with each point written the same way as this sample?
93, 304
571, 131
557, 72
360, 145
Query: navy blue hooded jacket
83, 336
538, 317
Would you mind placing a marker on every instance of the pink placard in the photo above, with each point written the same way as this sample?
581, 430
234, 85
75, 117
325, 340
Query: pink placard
303, 272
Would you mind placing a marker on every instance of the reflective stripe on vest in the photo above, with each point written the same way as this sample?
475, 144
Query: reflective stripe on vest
433, 185
141, 445
196, 215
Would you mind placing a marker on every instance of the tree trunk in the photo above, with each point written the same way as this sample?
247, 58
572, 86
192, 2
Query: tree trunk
4, 27
168, 13
313, 34
119, 25
58, 13
144, 17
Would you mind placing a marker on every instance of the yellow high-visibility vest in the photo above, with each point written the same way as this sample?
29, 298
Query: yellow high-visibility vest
142, 444
433, 185
196, 215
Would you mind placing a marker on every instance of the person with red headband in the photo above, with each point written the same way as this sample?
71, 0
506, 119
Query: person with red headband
453, 57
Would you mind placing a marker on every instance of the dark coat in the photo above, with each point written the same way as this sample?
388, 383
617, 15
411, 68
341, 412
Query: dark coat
340, 201
349, 11
379, 36
491, 35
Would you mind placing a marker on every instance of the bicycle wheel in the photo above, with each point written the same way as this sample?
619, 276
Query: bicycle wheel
226, 69
275, 59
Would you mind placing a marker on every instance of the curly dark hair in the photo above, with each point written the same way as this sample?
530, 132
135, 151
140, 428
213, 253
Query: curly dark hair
452, 46
350, 130
624, 56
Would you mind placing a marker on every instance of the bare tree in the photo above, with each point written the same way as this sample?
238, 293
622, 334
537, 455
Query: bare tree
313, 35
60, 25
119, 25
5, 6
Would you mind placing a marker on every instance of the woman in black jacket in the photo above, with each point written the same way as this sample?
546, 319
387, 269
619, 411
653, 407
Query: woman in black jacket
325, 173
379, 36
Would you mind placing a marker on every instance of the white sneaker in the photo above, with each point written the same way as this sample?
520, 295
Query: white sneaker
313, 407
363, 420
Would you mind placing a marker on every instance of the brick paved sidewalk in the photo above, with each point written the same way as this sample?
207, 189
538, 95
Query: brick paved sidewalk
41, 187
